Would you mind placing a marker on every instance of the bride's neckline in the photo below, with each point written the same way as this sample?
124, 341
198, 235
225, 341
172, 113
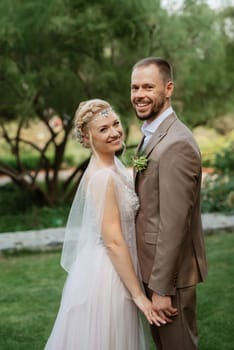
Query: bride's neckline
100, 164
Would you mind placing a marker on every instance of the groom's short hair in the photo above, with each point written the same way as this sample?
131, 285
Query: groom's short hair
165, 68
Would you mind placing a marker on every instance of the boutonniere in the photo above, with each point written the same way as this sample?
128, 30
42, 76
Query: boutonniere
140, 162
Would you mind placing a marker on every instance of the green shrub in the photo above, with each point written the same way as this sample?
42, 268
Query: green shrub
218, 194
224, 160
13, 200
211, 142
30, 161
224, 124
18, 211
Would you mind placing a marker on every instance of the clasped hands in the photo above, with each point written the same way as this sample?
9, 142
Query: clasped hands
162, 306
159, 311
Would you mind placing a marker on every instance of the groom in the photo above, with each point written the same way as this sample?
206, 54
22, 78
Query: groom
169, 231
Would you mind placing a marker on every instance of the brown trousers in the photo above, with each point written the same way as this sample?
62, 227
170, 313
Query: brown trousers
181, 334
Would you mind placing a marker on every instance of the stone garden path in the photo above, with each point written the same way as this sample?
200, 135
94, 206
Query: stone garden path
51, 238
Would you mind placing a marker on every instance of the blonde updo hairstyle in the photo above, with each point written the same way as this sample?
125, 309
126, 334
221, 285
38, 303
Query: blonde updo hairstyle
85, 113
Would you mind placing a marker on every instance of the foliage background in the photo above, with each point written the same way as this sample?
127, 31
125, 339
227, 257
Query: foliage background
57, 53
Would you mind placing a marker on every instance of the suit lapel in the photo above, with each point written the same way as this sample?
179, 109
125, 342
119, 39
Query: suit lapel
137, 153
140, 144
160, 133
156, 137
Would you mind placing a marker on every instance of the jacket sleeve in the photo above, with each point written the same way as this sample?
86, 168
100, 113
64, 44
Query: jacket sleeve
179, 174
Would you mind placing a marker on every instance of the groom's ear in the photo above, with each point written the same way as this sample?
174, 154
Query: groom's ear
169, 88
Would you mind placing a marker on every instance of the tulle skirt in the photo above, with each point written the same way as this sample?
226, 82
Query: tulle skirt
96, 311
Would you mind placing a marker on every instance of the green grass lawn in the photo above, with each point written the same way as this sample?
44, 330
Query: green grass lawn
31, 286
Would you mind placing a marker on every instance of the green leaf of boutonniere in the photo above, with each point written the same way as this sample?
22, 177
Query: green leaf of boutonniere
140, 163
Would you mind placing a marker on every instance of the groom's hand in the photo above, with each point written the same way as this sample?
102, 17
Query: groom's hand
163, 307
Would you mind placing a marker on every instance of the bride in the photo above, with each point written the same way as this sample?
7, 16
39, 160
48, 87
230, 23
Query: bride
102, 295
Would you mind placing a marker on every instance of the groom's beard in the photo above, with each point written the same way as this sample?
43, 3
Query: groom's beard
156, 110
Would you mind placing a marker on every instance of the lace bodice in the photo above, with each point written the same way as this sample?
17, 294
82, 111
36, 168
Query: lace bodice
128, 190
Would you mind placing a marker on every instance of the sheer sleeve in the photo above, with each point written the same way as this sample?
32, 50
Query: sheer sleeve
86, 216
73, 233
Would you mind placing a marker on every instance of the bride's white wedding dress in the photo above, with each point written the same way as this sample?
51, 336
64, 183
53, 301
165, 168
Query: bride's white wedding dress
96, 311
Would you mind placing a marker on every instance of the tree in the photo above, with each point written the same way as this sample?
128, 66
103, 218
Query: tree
57, 53
193, 38
54, 55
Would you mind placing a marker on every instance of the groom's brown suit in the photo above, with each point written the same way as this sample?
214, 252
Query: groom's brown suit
169, 231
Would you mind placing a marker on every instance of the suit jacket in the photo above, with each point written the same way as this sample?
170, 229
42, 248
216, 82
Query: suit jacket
169, 232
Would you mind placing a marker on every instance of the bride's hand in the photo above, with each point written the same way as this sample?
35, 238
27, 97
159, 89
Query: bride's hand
145, 305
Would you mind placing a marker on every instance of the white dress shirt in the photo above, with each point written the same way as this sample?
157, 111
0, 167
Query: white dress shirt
148, 129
